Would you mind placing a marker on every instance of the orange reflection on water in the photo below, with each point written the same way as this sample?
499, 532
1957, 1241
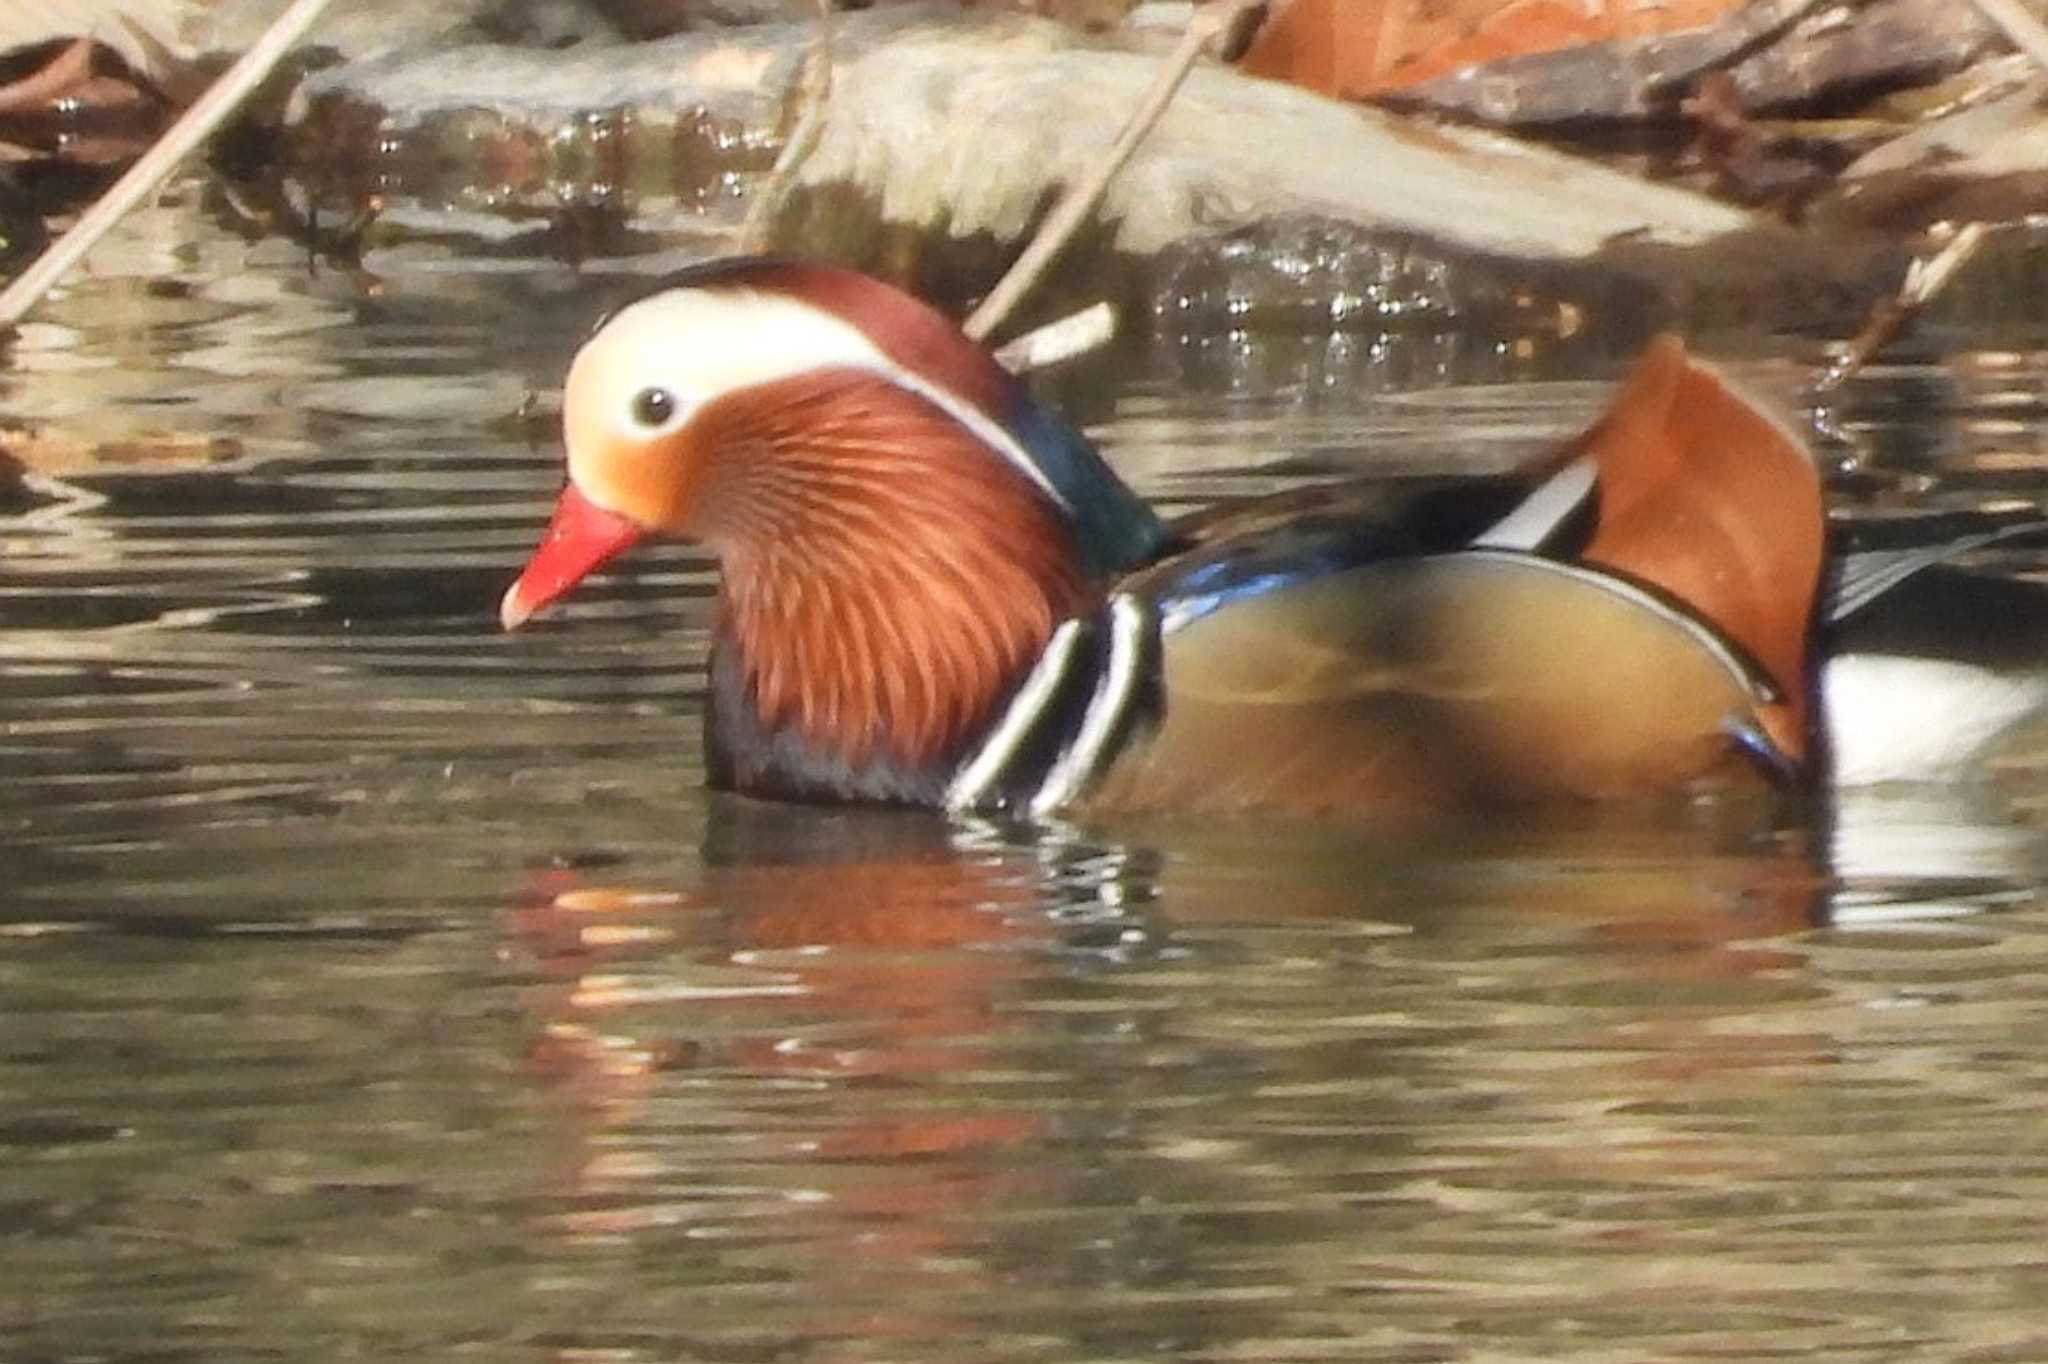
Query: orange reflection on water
853, 990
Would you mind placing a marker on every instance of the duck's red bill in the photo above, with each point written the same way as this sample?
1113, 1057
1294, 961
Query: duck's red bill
580, 537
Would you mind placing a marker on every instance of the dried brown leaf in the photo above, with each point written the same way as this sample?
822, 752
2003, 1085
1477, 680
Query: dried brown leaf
73, 100
136, 29
66, 69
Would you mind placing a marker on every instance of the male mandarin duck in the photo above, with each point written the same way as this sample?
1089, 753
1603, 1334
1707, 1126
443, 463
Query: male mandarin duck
936, 593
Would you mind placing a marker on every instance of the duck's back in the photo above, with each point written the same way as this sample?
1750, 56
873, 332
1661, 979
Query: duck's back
1631, 617
1382, 658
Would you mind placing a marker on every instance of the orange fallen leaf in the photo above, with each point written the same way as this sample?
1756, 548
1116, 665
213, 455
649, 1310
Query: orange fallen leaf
1357, 48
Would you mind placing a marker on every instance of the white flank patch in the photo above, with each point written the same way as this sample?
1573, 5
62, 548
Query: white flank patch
1916, 719
700, 344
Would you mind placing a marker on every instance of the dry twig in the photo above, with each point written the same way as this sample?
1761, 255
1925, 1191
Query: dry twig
1215, 19
206, 114
815, 92
1925, 280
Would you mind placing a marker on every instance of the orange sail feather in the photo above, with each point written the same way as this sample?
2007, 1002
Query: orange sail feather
1705, 497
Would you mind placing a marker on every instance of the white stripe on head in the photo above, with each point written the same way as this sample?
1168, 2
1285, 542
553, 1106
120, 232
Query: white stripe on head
701, 343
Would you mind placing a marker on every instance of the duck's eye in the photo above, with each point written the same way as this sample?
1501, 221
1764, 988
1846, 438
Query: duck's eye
653, 407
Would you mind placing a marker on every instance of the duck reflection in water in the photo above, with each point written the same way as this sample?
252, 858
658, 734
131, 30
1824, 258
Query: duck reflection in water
797, 1047
893, 1059
908, 1061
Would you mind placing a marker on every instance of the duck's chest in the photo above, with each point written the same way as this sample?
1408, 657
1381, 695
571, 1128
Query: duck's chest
746, 752
1057, 723
1405, 686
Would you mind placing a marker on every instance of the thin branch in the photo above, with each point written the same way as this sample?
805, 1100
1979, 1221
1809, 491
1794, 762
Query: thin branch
1214, 19
1925, 279
192, 128
814, 86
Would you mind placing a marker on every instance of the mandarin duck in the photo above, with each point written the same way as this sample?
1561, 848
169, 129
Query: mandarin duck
935, 592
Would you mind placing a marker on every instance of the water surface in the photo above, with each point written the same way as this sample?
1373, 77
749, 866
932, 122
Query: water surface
375, 985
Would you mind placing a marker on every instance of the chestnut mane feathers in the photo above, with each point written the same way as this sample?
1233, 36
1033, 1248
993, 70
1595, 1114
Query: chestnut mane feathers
886, 576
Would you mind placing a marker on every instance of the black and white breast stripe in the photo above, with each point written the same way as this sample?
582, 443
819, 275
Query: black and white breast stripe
1096, 680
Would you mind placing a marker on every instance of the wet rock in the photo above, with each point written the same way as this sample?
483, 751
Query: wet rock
969, 138
949, 136
958, 128
949, 148
680, 123
1311, 305
667, 131
1836, 55
1296, 273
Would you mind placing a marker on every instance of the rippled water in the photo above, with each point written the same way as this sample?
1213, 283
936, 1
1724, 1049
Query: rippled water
374, 985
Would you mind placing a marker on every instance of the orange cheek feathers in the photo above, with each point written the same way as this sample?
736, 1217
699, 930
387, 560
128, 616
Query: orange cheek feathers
650, 480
